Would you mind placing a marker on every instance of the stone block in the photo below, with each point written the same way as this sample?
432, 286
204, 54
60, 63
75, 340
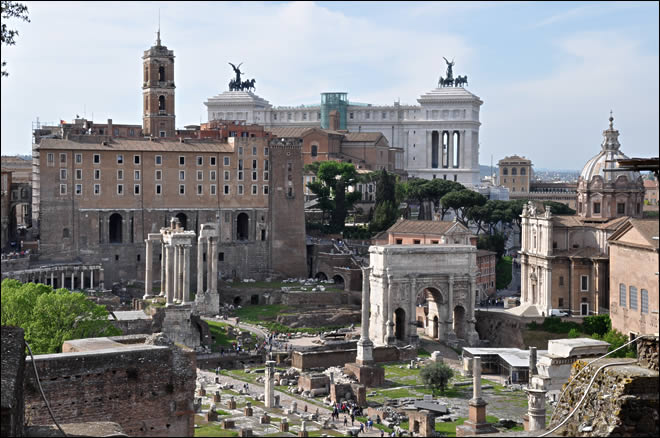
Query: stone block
231, 404
228, 424
284, 425
264, 419
245, 432
217, 397
211, 415
247, 411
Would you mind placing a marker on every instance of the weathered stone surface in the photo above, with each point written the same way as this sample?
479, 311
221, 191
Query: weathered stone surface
92, 428
13, 371
623, 401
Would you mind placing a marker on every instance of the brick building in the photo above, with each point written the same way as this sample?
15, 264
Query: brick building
99, 195
634, 300
486, 263
651, 191
16, 200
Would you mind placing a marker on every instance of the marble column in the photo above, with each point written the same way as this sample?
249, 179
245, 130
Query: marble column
413, 339
101, 278
73, 280
52, 278
536, 408
82, 279
175, 273
91, 279
162, 269
214, 264
269, 389
209, 268
390, 324
148, 286
450, 314
200, 264
186, 275
476, 378
169, 277
364, 345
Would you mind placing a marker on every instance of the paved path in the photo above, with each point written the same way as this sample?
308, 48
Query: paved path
286, 400
232, 321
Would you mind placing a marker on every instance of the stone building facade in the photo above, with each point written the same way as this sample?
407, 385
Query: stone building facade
565, 259
158, 91
439, 137
515, 173
634, 297
445, 275
105, 196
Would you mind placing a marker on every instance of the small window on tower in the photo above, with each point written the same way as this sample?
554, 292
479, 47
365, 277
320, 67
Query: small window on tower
161, 73
161, 103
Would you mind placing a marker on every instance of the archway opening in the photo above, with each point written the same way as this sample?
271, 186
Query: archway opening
400, 324
237, 301
339, 280
242, 226
459, 322
320, 276
183, 220
115, 228
254, 299
435, 327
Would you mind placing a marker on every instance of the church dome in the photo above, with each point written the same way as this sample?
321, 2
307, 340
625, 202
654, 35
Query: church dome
606, 159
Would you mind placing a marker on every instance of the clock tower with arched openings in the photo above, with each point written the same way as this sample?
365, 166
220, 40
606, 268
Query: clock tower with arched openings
158, 91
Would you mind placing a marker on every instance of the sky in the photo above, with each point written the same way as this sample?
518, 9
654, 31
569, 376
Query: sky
548, 72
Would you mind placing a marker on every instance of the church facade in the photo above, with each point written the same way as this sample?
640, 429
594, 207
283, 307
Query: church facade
439, 137
565, 259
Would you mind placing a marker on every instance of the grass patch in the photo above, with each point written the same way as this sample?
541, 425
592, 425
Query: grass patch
222, 340
206, 429
423, 353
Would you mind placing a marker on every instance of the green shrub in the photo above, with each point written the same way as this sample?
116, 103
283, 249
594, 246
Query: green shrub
599, 324
573, 333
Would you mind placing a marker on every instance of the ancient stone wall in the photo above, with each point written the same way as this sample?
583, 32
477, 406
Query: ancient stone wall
623, 401
148, 390
324, 359
13, 371
228, 361
502, 329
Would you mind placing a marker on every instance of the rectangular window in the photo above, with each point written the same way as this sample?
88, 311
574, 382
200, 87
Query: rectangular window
240, 175
254, 176
265, 190
584, 283
182, 175
255, 190
51, 158
221, 256
159, 189
78, 158
240, 164
136, 159
63, 174
200, 160
265, 164
136, 175
159, 175
97, 173
200, 175
97, 158
182, 160
97, 189
633, 298
227, 175
561, 280
62, 158
561, 303
304, 116
399, 241
78, 189
213, 189
120, 174
212, 161
136, 189
120, 189
597, 207
254, 164
416, 241
120, 159
266, 152
212, 175
227, 161
200, 190
240, 189
645, 301
254, 150
182, 189
622, 295
159, 160
226, 189
265, 176
621, 208
62, 189
240, 150
78, 174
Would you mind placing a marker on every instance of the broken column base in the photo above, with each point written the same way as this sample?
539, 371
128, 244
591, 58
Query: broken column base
303, 433
476, 424
368, 375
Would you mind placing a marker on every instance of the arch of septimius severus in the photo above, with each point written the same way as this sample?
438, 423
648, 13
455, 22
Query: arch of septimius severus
445, 274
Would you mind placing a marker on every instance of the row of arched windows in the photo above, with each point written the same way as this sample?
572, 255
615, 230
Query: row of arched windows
514, 171
161, 73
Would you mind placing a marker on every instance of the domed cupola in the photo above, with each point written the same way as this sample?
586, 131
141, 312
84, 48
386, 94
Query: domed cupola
603, 190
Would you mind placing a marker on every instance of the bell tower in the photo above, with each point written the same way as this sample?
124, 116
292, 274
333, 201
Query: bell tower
158, 91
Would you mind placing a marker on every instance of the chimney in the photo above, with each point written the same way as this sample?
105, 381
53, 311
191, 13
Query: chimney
110, 132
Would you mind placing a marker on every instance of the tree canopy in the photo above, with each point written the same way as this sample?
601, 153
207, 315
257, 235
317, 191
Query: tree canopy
436, 375
386, 208
333, 180
11, 10
461, 201
50, 317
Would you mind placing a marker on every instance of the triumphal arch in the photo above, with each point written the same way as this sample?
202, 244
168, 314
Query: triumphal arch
440, 278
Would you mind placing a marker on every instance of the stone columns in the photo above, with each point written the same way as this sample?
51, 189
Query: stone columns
175, 272
476, 378
532, 363
147, 270
82, 279
73, 280
476, 423
389, 333
209, 270
472, 335
169, 277
91, 279
180, 268
364, 345
52, 278
536, 411
162, 269
214, 263
101, 279
186, 274
451, 334
269, 390
200, 264
413, 339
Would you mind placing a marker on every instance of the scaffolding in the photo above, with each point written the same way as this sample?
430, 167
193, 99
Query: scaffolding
330, 102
